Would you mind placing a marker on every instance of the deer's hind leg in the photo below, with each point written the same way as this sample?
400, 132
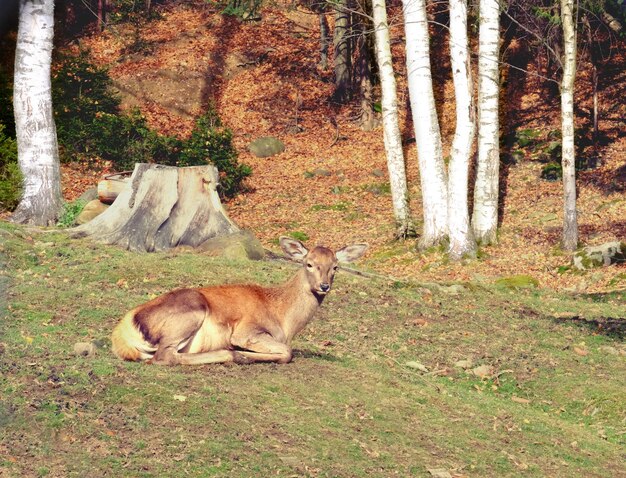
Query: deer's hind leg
171, 322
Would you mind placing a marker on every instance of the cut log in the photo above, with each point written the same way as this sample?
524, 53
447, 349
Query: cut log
163, 207
111, 186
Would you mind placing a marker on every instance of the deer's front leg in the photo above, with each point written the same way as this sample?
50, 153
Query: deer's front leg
260, 346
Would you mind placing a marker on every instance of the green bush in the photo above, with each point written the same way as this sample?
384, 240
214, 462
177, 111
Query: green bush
81, 92
126, 139
6, 103
10, 175
211, 142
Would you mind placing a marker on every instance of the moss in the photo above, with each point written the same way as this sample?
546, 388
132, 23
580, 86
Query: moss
519, 281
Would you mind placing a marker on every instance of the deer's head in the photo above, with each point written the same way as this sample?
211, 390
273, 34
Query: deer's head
320, 263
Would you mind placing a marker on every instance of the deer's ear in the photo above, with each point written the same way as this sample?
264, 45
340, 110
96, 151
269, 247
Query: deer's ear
293, 248
351, 253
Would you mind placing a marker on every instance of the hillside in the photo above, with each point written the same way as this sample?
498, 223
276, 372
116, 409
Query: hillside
264, 79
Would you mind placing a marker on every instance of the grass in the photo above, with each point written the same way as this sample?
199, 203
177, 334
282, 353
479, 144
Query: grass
347, 406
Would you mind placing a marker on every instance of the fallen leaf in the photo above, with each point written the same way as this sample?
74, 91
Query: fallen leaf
519, 399
180, 398
581, 351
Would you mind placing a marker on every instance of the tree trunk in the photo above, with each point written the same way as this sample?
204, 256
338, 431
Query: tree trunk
427, 133
593, 59
38, 154
368, 121
486, 189
568, 160
343, 53
102, 14
391, 128
324, 40
163, 207
462, 242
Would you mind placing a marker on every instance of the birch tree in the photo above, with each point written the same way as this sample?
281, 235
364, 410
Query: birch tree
38, 156
433, 175
568, 160
486, 187
391, 127
461, 238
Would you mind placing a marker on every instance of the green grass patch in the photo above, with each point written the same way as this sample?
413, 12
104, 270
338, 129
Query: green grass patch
347, 406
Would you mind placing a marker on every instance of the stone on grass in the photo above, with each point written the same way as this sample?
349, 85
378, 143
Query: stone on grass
89, 195
266, 146
91, 210
464, 364
483, 371
598, 256
417, 366
85, 349
238, 245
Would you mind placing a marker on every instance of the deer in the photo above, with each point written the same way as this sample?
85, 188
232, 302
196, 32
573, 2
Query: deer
236, 323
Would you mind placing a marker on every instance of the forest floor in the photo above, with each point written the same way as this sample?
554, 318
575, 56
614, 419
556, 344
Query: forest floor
265, 80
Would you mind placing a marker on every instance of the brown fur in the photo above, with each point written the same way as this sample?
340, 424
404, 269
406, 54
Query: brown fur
231, 323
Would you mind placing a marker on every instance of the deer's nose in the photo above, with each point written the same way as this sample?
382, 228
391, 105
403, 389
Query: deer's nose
324, 287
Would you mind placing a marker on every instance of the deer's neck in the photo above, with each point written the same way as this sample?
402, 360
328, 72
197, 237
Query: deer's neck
297, 304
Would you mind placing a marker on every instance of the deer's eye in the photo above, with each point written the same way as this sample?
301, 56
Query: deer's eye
335, 268
309, 265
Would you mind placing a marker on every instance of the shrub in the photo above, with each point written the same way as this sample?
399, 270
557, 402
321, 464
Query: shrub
10, 175
81, 92
6, 103
211, 142
126, 139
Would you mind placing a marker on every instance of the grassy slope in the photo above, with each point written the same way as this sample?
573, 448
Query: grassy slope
348, 406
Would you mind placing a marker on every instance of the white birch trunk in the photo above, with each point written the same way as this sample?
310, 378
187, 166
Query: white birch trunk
391, 127
427, 133
38, 155
568, 160
486, 188
461, 238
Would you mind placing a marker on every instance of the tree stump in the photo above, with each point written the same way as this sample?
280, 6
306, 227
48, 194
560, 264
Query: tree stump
163, 207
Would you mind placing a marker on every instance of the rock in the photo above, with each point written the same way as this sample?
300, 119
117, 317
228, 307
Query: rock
439, 473
238, 245
608, 350
84, 349
322, 172
483, 371
454, 289
89, 195
379, 173
597, 256
464, 364
417, 366
92, 209
266, 146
